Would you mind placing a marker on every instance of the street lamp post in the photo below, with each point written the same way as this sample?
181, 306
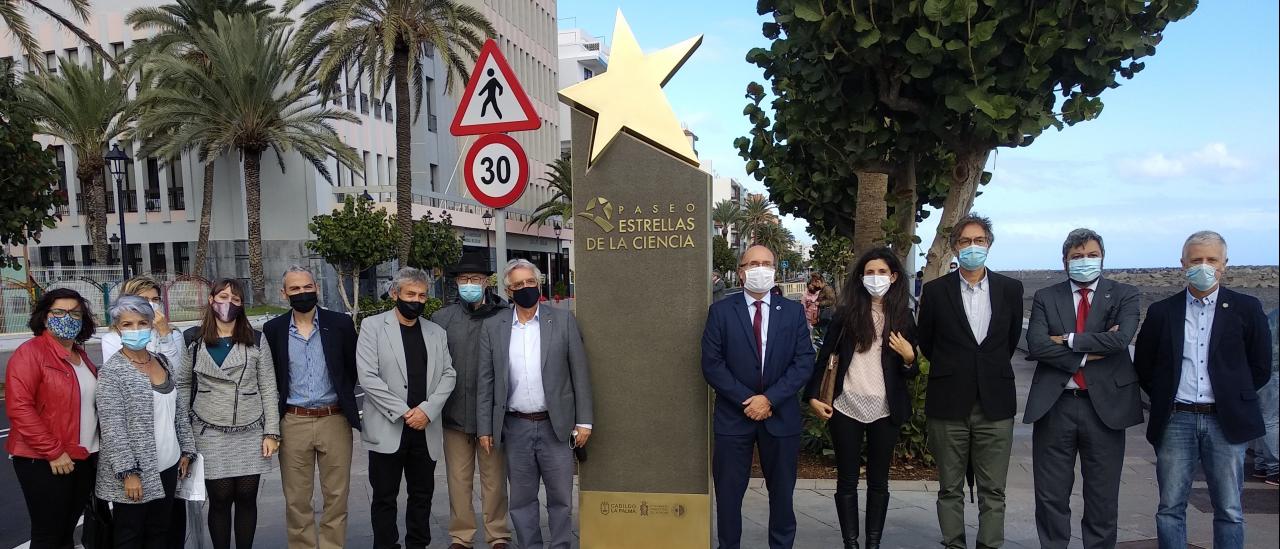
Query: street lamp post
557, 228
487, 218
118, 163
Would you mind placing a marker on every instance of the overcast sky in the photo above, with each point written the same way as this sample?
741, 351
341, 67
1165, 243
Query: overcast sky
1189, 144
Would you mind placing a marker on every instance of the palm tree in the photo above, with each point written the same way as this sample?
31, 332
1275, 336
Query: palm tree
390, 39
773, 236
250, 97
174, 25
727, 215
87, 110
757, 211
560, 179
11, 14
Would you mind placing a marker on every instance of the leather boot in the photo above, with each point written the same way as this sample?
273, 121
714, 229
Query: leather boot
847, 513
877, 508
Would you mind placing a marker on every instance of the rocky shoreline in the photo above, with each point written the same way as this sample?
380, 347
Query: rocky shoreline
1260, 281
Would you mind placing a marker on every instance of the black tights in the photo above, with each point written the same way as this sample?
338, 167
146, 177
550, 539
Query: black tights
223, 492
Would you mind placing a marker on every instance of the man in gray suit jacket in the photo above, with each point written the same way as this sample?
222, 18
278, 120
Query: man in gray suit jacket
1084, 393
534, 402
403, 363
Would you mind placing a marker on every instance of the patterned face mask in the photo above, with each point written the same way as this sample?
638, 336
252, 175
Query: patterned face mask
66, 327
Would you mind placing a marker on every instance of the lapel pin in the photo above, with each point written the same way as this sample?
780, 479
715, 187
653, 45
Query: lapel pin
1225, 305
1106, 296
778, 308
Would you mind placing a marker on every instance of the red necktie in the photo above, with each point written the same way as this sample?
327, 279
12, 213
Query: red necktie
1082, 315
759, 342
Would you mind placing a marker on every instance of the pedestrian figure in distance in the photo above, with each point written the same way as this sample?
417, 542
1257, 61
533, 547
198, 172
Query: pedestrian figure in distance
492, 89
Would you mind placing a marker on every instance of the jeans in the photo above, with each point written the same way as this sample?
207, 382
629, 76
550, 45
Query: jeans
1189, 440
1264, 449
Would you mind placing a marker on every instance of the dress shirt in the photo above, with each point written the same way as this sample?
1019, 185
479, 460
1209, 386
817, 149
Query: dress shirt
1194, 385
1075, 304
977, 306
309, 384
527, 394
764, 321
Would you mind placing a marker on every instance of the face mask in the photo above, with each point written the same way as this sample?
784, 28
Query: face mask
227, 312
972, 258
471, 293
1084, 270
1202, 276
410, 309
304, 302
759, 279
135, 340
877, 285
526, 298
65, 327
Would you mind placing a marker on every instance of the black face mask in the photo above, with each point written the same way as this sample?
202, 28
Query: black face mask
526, 298
304, 302
409, 309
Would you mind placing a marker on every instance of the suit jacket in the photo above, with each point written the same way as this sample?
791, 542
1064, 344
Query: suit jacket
961, 370
1111, 380
381, 370
895, 374
1239, 362
338, 338
731, 364
566, 378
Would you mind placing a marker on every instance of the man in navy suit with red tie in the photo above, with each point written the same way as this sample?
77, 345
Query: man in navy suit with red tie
757, 355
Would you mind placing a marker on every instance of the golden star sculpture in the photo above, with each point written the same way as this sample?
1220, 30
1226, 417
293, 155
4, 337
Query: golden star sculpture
628, 96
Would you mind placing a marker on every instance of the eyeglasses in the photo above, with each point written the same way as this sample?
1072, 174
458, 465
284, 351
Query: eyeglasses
528, 283
980, 241
62, 313
755, 264
477, 279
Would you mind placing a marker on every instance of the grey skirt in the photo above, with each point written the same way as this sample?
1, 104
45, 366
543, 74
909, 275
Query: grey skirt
230, 454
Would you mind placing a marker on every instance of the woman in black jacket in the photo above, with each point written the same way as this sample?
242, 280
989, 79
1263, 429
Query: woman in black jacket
873, 332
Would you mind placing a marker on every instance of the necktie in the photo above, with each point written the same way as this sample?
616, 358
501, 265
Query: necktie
756, 324
1082, 315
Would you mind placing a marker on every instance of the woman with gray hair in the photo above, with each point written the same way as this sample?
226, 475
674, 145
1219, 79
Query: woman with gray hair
146, 437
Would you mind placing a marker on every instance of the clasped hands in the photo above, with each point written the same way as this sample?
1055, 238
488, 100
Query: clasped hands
1061, 340
758, 408
416, 419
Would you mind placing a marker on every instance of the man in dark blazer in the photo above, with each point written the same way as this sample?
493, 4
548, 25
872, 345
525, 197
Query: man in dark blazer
756, 354
970, 322
314, 352
1084, 393
1201, 356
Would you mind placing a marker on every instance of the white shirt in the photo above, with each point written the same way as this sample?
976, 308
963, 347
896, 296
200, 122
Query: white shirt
88, 409
764, 321
163, 410
977, 306
1071, 337
1194, 386
526, 394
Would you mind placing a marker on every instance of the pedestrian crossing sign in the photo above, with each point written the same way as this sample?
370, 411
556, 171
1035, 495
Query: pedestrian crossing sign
494, 101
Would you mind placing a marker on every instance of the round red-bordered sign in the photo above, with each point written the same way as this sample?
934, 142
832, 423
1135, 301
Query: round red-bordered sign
496, 170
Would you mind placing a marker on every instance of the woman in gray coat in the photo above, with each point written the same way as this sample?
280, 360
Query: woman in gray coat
146, 440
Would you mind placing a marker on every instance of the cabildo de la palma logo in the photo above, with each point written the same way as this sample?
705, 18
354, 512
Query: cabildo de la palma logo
644, 509
640, 227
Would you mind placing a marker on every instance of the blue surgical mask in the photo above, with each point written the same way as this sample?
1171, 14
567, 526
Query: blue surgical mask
1085, 269
135, 340
972, 258
1202, 276
65, 327
471, 293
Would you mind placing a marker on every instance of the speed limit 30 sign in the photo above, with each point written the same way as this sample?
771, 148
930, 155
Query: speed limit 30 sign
496, 170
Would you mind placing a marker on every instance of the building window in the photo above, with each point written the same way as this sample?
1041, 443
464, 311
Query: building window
61, 160
177, 194
117, 51
158, 257
587, 74
130, 199
153, 185
182, 257
364, 103
434, 176
377, 108
46, 256
68, 255
51, 62
390, 114
86, 252
135, 258
72, 55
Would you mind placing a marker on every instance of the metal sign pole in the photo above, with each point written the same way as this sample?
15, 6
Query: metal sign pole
500, 229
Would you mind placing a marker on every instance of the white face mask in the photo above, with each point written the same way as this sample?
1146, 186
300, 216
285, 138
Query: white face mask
877, 285
759, 279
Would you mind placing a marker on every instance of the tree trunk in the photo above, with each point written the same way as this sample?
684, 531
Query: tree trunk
964, 187
903, 199
253, 201
342, 290
206, 214
869, 213
91, 182
404, 174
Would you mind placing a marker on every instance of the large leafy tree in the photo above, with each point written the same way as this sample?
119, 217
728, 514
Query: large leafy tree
28, 175
435, 244
390, 40
723, 260
173, 27
947, 81
559, 179
351, 239
86, 109
250, 97
12, 14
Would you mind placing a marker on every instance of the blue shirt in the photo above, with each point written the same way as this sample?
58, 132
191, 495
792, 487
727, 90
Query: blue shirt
1194, 385
309, 385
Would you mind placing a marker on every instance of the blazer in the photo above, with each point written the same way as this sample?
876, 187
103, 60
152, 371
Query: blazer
961, 370
381, 370
566, 376
236, 396
464, 323
731, 364
338, 338
128, 429
1112, 382
42, 398
896, 373
1239, 362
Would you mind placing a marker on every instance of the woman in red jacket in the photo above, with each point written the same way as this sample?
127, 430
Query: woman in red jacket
53, 437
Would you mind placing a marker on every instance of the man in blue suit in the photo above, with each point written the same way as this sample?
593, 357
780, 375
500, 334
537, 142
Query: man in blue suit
757, 355
1201, 356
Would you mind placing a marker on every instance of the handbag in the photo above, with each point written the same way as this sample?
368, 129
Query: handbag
827, 390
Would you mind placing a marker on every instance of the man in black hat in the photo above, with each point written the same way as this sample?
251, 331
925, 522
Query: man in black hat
462, 321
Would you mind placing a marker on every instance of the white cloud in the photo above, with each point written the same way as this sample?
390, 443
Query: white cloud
1216, 155
1211, 159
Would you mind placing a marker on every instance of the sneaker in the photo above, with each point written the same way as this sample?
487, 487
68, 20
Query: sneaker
1273, 479
1260, 474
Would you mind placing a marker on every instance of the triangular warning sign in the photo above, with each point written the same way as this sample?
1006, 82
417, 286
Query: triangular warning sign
494, 101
